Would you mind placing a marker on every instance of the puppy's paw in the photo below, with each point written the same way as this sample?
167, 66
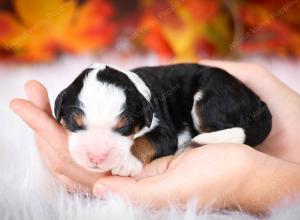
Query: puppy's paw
131, 166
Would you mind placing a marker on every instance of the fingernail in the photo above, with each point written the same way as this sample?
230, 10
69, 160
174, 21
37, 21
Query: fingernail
100, 190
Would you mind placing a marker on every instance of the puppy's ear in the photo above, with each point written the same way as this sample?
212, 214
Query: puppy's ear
147, 111
58, 106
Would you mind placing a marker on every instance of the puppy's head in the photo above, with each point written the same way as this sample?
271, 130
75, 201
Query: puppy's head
104, 109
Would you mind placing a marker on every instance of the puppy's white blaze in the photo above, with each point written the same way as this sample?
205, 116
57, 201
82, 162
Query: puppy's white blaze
183, 137
99, 66
196, 120
144, 130
137, 81
101, 102
231, 135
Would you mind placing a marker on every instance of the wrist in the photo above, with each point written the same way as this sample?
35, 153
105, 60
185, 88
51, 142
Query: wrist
268, 181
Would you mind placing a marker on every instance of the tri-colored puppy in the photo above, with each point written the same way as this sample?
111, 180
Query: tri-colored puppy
120, 120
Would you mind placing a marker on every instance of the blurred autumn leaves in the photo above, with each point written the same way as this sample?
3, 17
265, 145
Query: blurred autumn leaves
40, 30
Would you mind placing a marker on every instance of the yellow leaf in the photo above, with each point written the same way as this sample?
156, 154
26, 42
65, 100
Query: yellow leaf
51, 16
184, 45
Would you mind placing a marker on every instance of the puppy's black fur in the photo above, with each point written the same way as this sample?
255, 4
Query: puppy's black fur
226, 103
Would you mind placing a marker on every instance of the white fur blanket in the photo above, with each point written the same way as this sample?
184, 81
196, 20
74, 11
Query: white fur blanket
27, 191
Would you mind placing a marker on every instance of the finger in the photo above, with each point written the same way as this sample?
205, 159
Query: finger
38, 94
155, 190
156, 167
79, 174
248, 73
48, 154
40, 122
74, 187
238, 69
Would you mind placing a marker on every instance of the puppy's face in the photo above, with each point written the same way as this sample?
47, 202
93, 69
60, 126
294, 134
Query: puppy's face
104, 110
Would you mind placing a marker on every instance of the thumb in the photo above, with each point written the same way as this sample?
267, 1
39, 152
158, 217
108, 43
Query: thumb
149, 190
130, 186
125, 186
114, 184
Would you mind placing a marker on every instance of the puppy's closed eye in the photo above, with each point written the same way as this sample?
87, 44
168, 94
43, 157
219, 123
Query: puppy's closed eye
74, 121
125, 126
121, 123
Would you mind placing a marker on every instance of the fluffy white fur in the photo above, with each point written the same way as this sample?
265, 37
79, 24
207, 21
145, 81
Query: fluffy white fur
231, 135
196, 119
145, 129
131, 166
27, 190
183, 137
98, 66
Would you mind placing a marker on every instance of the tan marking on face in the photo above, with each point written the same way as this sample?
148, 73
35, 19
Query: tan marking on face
78, 118
143, 150
121, 122
136, 129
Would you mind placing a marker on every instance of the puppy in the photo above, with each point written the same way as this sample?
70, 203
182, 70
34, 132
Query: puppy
120, 120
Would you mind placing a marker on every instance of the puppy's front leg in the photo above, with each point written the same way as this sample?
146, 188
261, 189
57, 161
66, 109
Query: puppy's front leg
143, 149
157, 143
141, 153
131, 166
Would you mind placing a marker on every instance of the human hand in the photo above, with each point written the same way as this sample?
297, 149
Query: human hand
203, 173
51, 138
218, 175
